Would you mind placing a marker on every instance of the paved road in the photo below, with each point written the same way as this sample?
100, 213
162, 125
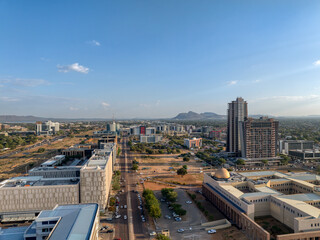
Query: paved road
131, 228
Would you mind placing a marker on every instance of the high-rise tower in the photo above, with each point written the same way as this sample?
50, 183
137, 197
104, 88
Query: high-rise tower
237, 113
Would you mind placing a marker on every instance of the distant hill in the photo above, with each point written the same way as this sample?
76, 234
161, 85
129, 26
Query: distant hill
198, 116
32, 119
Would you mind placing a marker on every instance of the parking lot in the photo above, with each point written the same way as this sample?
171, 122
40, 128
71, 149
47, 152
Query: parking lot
190, 223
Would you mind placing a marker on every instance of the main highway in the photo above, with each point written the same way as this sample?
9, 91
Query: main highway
132, 227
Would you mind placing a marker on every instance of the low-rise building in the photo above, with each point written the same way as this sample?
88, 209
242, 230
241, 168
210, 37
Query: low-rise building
66, 222
285, 146
47, 128
193, 143
150, 138
56, 160
35, 193
293, 199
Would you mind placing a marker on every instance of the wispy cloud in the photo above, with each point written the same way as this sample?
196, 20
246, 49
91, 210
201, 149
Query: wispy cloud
105, 105
76, 67
94, 43
23, 82
317, 63
291, 98
45, 59
73, 108
9, 99
231, 83
256, 81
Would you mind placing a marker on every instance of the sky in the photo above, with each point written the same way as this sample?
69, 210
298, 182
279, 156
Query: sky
157, 58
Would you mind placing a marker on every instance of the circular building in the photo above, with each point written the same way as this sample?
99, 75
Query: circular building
222, 174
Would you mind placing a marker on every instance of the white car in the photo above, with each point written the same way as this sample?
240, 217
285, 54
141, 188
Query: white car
188, 202
211, 231
125, 217
117, 216
181, 230
153, 233
125, 206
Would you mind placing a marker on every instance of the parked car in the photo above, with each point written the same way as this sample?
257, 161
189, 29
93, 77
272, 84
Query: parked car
181, 230
211, 231
153, 233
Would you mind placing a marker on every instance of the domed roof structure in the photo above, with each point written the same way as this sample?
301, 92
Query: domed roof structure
222, 173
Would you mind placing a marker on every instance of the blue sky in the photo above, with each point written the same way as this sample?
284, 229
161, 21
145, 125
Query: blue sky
156, 58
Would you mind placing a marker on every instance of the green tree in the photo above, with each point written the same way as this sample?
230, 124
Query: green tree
222, 161
240, 161
186, 159
182, 171
169, 194
162, 237
135, 166
41, 150
264, 161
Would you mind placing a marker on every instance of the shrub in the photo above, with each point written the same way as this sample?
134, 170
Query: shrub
41, 150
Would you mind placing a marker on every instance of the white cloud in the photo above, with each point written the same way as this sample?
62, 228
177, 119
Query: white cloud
73, 67
23, 82
9, 99
105, 105
317, 63
256, 81
232, 83
73, 109
94, 43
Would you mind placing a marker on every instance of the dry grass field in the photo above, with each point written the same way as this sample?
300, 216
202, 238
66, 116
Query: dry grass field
20, 163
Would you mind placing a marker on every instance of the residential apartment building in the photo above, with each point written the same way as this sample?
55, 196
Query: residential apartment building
237, 113
259, 138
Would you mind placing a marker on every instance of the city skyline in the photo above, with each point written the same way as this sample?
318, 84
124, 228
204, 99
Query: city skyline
147, 59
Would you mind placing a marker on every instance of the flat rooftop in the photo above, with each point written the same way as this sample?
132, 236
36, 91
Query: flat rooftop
262, 174
303, 197
60, 168
76, 221
32, 181
302, 206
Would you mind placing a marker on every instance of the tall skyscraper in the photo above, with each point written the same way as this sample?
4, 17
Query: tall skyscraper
237, 113
259, 138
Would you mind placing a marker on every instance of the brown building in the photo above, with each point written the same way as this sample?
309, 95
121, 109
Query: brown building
259, 138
